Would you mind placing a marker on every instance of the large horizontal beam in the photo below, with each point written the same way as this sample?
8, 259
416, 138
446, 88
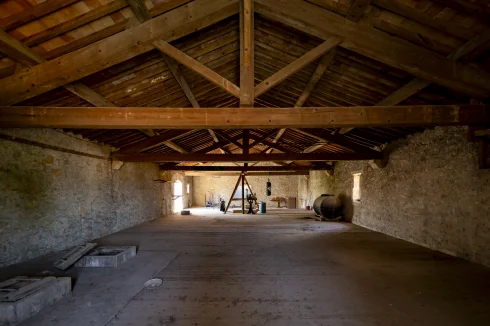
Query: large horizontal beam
378, 45
112, 50
166, 157
248, 174
212, 168
242, 118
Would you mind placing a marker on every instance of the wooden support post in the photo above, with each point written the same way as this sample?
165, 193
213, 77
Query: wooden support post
246, 53
243, 192
233, 193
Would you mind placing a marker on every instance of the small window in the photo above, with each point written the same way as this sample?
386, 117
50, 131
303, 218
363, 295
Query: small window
356, 190
188, 188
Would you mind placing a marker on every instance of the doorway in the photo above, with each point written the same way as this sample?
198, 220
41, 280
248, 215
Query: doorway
178, 202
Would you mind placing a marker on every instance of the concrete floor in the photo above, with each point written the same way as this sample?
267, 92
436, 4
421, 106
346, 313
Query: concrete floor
277, 269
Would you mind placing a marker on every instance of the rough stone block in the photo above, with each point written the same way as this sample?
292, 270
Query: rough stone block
107, 257
22, 297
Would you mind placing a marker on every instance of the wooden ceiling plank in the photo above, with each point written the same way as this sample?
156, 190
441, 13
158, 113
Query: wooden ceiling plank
296, 65
357, 9
377, 45
114, 49
192, 157
421, 17
239, 118
197, 67
317, 75
247, 76
75, 22
33, 13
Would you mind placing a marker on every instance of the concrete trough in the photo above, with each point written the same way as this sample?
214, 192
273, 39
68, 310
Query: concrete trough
22, 297
107, 257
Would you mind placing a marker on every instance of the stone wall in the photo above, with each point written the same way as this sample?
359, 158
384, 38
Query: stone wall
212, 188
431, 193
51, 200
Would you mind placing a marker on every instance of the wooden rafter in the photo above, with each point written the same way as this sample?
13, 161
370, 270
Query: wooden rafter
296, 65
114, 49
239, 118
15, 49
246, 53
377, 45
232, 140
139, 9
177, 73
262, 138
197, 67
417, 84
170, 157
275, 146
357, 9
7, 67
154, 141
317, 75
324, 136
314, 148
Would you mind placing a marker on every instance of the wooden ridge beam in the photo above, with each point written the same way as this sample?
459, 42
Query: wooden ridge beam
197, 67
171, 157
114, 49
317, 75
239, 118
296, 65
215, 168
247, 76
377, 45
357, 9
